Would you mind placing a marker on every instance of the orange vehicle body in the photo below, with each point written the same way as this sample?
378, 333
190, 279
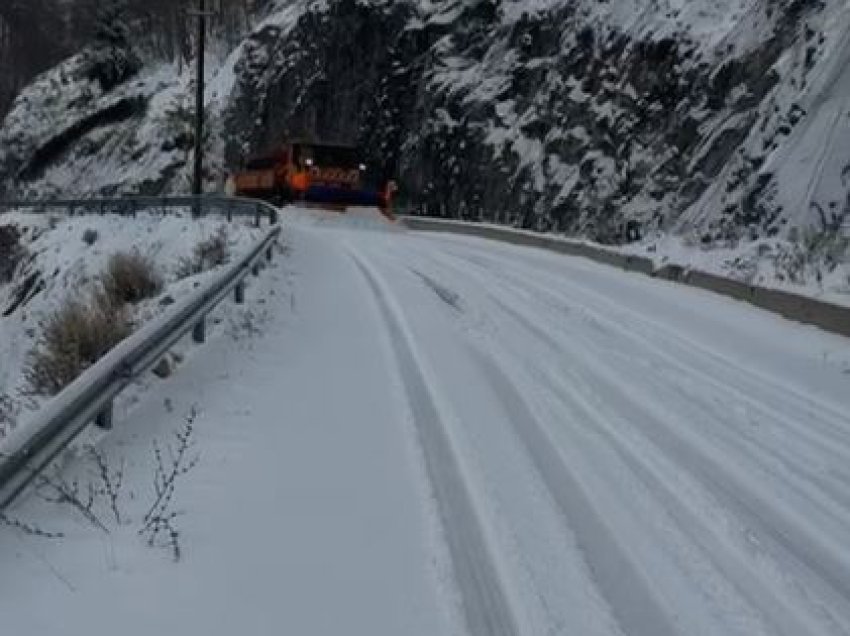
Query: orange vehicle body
328, 175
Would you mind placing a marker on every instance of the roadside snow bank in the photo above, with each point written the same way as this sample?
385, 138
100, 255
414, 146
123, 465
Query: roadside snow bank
64, 259
814, 265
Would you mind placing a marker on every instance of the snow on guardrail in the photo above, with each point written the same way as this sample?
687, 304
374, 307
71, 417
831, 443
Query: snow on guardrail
130, 205
30, 449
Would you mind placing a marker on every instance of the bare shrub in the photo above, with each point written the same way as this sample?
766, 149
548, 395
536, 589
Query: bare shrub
130, 278
73, 338
28, 528
110, 482
158, 524
11, 252
809, 253
207, 254
90, 237
214, 251
101, 494
187, 267
9, 410
83, 499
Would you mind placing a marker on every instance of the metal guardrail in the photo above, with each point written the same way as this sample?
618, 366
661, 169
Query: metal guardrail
131, 205
89, 398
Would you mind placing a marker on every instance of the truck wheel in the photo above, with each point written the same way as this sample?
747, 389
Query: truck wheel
284, 197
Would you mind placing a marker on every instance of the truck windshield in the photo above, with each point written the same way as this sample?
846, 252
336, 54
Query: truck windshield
335, 156
261, 163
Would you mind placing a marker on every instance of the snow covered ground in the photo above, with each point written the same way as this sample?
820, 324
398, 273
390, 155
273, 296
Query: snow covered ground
71, 268
417, 434
791, 266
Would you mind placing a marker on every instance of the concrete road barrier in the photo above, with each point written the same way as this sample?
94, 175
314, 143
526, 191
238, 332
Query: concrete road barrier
676, 273
828, 316
719, 284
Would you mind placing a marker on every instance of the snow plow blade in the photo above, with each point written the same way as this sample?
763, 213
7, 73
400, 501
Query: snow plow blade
325, 175
342, 197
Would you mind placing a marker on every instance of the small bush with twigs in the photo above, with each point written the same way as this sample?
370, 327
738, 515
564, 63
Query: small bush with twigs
11, 252
130, 277
187, 267
79, 333
90, 237
100, 499
73, 338
158, 524
214, 251
207, 254
9, 410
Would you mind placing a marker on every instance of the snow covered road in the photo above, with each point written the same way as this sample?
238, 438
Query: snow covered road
439, 434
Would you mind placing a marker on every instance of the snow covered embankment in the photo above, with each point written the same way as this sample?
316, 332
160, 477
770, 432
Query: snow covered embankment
752, 273
813, 265
52, 261
619, 455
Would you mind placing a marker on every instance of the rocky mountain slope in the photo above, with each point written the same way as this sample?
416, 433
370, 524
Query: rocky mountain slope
719, 121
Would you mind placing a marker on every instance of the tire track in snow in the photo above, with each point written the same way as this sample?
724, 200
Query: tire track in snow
485, 603
830, 497
732, 568
811, 441
608, 553
750, 385
737, 386
811, 556
626, 588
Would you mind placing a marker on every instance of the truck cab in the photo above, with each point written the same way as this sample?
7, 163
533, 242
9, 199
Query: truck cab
325, 174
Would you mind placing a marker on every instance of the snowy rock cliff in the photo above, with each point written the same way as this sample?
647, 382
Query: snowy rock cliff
719, 120
729, 118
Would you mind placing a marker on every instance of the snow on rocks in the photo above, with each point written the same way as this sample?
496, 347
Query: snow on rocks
715, 123
810, 264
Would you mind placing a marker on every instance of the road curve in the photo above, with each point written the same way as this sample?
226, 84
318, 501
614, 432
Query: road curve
404, 433
685, 455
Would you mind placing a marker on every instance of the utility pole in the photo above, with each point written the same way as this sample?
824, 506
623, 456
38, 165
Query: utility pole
197, 183
198, 175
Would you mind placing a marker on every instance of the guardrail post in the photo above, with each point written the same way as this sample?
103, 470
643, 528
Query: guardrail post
269, 252
255, 268
240, 292
257, 215
230, 212
104, 418
199, 331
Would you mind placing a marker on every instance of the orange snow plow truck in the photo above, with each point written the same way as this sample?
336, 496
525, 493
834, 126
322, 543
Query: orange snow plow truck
327, 175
